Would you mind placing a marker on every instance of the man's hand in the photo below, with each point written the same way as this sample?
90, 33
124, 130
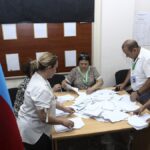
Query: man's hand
134, 96
69, 110
120, 87
139, 111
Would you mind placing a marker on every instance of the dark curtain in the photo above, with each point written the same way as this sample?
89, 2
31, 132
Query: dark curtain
50, 11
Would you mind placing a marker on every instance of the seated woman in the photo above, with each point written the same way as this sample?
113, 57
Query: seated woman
28, 69
84, 76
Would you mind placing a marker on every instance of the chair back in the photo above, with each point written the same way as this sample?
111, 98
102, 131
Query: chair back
12, 93
121, 75
56, 79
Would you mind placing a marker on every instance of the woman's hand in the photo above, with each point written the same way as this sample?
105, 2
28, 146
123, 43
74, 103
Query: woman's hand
67, 123
57, 87
69, 110
89, 90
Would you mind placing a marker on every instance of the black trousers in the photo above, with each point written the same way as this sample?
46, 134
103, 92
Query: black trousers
44, 143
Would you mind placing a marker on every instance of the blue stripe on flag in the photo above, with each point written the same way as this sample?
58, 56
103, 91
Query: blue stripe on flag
3, 88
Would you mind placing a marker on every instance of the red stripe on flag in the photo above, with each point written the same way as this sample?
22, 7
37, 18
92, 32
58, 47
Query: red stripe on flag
10, 138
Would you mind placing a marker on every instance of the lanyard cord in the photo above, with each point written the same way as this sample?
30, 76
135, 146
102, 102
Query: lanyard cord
84, 76
134, 63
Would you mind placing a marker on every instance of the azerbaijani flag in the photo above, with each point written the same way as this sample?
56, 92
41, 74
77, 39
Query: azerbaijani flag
10, 138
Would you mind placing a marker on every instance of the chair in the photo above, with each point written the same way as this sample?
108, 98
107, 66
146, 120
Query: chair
12, 93
56, 79
121, 75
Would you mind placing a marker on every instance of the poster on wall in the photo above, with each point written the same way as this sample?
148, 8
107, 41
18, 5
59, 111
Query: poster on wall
12, 61
70, 58
141, 30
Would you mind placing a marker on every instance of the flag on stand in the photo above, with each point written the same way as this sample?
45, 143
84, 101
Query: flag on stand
10, 138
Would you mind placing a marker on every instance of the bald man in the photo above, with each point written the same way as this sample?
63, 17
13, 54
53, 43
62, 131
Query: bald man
139, 73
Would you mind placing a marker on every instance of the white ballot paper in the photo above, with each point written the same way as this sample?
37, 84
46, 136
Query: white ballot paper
139, 122
78, 123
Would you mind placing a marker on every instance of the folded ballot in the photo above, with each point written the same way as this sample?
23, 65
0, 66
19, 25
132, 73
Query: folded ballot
139, 122
78, 123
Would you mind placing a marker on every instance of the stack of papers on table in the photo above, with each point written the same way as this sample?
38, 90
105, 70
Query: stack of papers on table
139, 122
93, 109
61, 113
114, 116
65, 98
78, 123
126, 104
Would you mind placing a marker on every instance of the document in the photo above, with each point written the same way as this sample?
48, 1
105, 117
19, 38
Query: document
65, 98
76, 90
40, 30
61, 113
69, 29
114, 116
9, 31
139, 122
12, 61
70, 58
78, 123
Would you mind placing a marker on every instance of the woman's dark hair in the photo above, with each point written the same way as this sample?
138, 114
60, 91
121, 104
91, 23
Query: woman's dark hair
28, 69
84, 56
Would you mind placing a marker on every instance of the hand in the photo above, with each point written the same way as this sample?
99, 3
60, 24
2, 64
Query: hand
89, 90
57, 87
120, 87
67, 123
64, 84
69, 110
148, 120
139, 111
134, 96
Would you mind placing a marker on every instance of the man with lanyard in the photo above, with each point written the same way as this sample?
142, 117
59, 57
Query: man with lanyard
139, 74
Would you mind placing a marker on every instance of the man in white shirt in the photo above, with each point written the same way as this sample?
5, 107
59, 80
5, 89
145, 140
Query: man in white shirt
139, 73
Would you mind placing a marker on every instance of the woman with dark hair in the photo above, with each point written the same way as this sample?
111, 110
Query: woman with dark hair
28, 69
84, 76
37, 114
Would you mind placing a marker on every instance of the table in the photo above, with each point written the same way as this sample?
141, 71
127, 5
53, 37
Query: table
97, 129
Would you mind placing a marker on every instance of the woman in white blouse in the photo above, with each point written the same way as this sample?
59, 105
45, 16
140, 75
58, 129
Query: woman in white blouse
37, 114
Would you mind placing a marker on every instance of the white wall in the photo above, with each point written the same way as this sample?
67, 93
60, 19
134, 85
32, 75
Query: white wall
13, 82
142, 5
117, 25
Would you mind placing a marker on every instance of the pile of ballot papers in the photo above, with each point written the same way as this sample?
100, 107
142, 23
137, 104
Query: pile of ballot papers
107, 106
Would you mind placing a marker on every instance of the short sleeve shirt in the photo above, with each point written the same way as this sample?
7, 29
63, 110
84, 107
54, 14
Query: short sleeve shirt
141, 71
76, 78
38, 95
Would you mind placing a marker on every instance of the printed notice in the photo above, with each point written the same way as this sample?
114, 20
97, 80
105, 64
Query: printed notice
12, 61
70, 58
9, 31
69, 29
40, 30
